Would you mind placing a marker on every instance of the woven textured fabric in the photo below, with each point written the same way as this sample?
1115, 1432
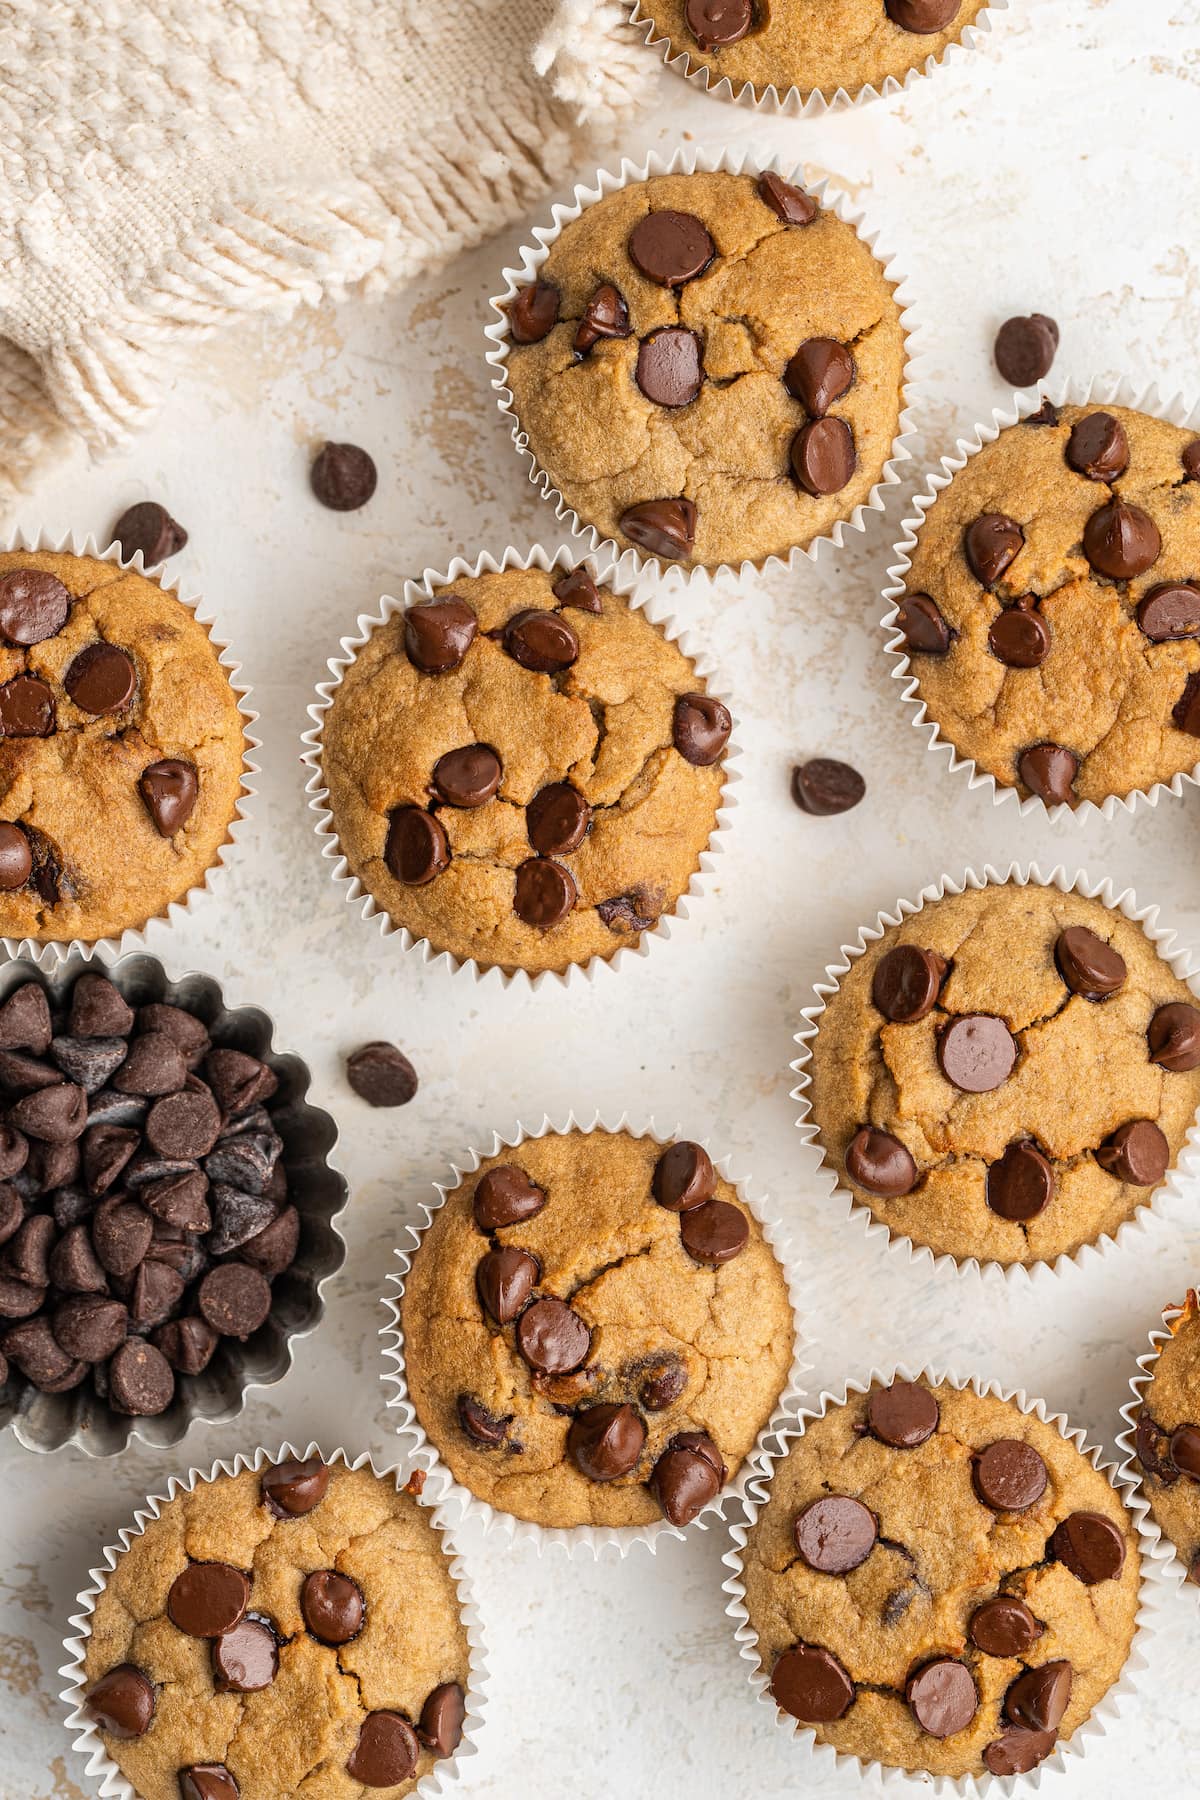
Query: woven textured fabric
167, 169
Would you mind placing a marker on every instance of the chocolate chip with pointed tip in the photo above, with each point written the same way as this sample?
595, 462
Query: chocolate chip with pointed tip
1121, 540
577, 588
1089, 966
880, 1163
683, 1177
664, 527
688, 1476
786, 201
148, 527
605, 1442
438, 634
991, 544
122, 1702
1098, 447
169, 790
605, 316
1038, 1699
504, 1196
293, 1488
1019, 638
700, 728
440, 1726
925, 631
1137, 1153
504, 1280
533, 312
1173, 1037
1049, 772
541, 640
819, 372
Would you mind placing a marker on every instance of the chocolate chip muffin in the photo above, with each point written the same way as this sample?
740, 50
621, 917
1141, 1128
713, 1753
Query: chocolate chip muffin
523, 769
1008, 1074
121, 748
293, 1631
709, 367
940, 1582
810, 44
595, 1330
1167, 1437
1052, 611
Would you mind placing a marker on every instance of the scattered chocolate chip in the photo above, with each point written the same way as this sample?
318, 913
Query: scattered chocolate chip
714, 1233
907, 982
34, 605
976, 1052
1046, 414
715, 23
835, 1533
942, 1696
684, 1177
1098, 447
1049, 771
605, 1442
823, 786
169, 790
819, 373
16, 858
101, 679
342, 477
925, 631
245, 1659
670, 247
879, 1162
148, 527
924, 17
557, 819
235, 1300
1173, 1037
576, 588
1137, 1152
482, 1427
787, 202
1092, 1548
1021, 1184
541, 640
333, 1606
700, 728
903, 1415
441, 1722
1039, 1698
386, 1753
669, 370
26, 707
823, 456
1087, 964
1025, 347
438, 634
1010, 1476
468, 777
1004, 1627
506, 1196
552, 1338
1019, 637
533, 312
661, 527
1017, 1751
381, 1075
292, 1488
122, 1702
417, 848
544, 893
688, 1475
505, 1278
1120, 540
991, 544
1170, 611
605, 316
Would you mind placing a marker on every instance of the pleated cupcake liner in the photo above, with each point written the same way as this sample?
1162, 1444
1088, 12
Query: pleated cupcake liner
1176, 1185
691, 160
86, 1739
316, 1188
600, 1542
209, 886
621, 582
1069, 1751
798, 102
1159, 1548
1069, 391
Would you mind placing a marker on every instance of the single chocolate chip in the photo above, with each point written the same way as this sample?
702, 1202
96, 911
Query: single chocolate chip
342, 477
237, 1217
274, 1248
1170, 611
552, 1338
688, 1475
1046, 414
684, 1177
154, 1066
1173, 1037
1137, 1152
715, 23
245, 1659
823, 456
1121, 540
991, 543
239, 1081
1003, 1627
16, 858
21, 1074
169, 790
292, 1488
557, 819
879, 1162
662, 527
91, 1327
714, 1233
506, 1196
1021, 1184
101, 679
700, 728
29, 1248
605, 316
35, 1350
1098, 447
669, 371
56, 1115
505, 1279
386, 1753
208, 1598
819, 373
417, 848
333, 1606
438, 634
157, 1291
188, 1034
25, 1020
925, 631
1087, 964
11, 1209
122, 1702
1185, 1450
576, 588
1025, 347
468, 777
1019, 638
907, 983
1010, 1476
183, 1125
1191, 460
942, 1696
74, 1265
823, 786
544, 893
1154, 1449
632, 912
17, 1299
50, 1166
235, 1300
188, 1344
33, 606
441, 1723
1039, 1698
835, 1533
148, 527
482, 1427
903, 1415
1092, 1548
542, 641
1017, 1751
605, 1442
533, 312
88, 1061
663, 1383
381, 1075
26, 707
976, 1052
670, 247
923, 17
179, 1200
786, 201
1049, 771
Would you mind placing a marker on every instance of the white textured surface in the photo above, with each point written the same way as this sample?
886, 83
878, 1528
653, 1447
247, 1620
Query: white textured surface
1056, 172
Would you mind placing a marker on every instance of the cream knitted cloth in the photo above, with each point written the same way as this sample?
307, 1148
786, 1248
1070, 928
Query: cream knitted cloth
168, 168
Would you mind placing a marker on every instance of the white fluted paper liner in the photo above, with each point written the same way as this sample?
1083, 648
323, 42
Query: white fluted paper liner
587, 1540
691, 160
1177, 1182
1070, 391
87, 1740
617, 581
1159, 1548
77, 543
796, 102
1068, 1750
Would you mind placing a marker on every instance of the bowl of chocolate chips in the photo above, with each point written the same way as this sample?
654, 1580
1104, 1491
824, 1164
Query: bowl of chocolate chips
168, 1205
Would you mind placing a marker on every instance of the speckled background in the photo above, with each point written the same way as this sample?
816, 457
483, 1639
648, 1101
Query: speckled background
1054, 171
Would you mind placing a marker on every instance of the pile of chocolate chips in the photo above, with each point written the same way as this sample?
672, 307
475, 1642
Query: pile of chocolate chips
143, 1203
